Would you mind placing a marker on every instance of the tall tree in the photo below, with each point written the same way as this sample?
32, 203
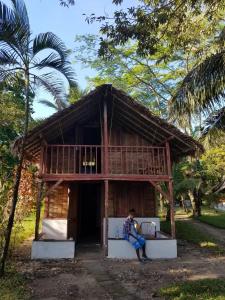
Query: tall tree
20, 54
188, 28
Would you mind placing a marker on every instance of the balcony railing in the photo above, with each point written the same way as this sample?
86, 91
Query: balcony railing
89, 159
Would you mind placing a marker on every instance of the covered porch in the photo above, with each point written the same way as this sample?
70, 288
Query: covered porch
93, 213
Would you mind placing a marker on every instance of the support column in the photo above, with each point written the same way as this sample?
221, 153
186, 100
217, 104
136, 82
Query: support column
170, 188
172, 221
106, 172
106, 140
38, 208
106, 196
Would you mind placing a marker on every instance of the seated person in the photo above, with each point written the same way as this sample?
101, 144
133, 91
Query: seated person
132, 236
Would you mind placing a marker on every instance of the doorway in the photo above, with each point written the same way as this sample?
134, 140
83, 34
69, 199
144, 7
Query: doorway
91, 135
89, 213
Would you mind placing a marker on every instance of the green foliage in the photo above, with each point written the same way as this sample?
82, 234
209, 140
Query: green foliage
151, 22
186, 39
144, 78
23, 230
196, 179
13, 286
205, 289
22, 60
213, 162
213, 218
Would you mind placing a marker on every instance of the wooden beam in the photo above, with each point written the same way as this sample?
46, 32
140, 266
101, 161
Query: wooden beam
52, 188
146, 134
38, 208
159, 189
172, 220
106, 138
168, 160
150, 120
41, 160
170, 188
88, 177
144, 127
168, 139
106, 194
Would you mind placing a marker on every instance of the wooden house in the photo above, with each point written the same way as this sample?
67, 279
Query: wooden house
98, 158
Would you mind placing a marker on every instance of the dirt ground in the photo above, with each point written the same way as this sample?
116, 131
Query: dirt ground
91, 276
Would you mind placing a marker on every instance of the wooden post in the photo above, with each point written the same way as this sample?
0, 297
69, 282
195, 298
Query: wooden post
106, 196
41, 160
106, 172
168, 160
38, 208
106, 140
170, 188
172, 221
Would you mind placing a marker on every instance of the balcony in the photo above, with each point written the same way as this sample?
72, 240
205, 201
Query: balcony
88, 160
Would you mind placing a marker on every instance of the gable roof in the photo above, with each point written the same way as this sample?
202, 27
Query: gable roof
127, 111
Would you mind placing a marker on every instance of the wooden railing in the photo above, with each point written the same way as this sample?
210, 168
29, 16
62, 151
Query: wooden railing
137, 160
88, 159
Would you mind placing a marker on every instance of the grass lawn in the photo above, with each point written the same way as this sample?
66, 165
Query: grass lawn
23, 231
188, 232
12, 285
211, 217
207, 289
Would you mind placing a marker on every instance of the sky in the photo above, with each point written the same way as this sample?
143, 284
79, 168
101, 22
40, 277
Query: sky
48, 15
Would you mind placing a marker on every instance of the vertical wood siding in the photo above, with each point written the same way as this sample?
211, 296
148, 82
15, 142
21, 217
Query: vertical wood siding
126, 195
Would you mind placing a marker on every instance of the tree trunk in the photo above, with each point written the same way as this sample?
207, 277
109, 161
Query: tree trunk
193, 203
168, 212
197, 199
17, 180
161, 203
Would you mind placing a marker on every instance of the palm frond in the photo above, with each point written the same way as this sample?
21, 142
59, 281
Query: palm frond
63, 104
53, 86
55, 62
7, 75
214, 123
48, 104
49, 40
6, 13
20, 11
14, 27
7, 56
203, 88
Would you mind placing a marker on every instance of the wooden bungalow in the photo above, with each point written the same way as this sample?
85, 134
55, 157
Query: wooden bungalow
98, 158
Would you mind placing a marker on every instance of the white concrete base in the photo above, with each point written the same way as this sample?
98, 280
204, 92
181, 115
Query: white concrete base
163, 248
45, 249
115, 226
54, 229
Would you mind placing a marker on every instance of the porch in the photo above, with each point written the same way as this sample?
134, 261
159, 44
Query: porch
85, 162
53, 244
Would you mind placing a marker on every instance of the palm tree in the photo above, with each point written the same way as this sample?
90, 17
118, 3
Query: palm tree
20, 54
189, 182
203, 88
75, 94
214, 125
